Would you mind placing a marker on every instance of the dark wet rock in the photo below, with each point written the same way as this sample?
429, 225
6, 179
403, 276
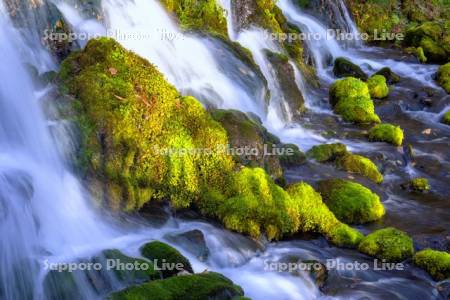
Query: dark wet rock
444, 289
192, 241
317, 271
439, 242
391, 77
292, 157
345, 68
157, 213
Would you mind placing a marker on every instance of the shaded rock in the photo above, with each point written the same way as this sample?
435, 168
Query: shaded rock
345, 68
391, 77
192, 241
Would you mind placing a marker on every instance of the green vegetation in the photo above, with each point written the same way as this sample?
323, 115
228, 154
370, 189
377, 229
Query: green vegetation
351, 202
436, 263
419, 185
163, 253
295, 158
443, 77
187, 287
327, 152
360, 165
378, 87
446, 118
386, 133
388, 243
345, 68
350, 98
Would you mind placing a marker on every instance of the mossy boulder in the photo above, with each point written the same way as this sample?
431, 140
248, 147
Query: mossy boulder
446, 118
327, 152
419, 185
351, 202
138, 133
189, 287
391, 77
443, 77
292, 156
378, 87
345, 68
358, 164
162, 254
433, 38
205, 15
436, 263
350, 98
388, 243
386, 133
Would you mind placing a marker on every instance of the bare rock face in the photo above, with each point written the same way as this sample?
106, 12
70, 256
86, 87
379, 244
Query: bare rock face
242, 11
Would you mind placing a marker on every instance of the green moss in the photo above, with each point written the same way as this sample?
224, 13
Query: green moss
162, 253
327, 152
446, 118
204, 15
351, 202
436, 263
443, 77
386, 133
388, 243
378, 87
350, 98
360, 165
292, 156
419, 184
314, 216
134, 127
188, 287
420, 54
345, 68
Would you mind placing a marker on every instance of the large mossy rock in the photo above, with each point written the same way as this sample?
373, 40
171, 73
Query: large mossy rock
350, 98
378, 87
443, 77
388, 243
436, 263
327, 152
386, 133
433, 38
351, 202
345, 68
137, 131
361, 165
166, 258
187, 287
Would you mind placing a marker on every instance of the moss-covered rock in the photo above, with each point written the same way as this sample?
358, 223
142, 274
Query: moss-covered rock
350, 98
388, 243
436, 263
351, 202
162, 254
292, 156
391, 77
189, 287
137, 131
443, 77
327, 152
204, 15
360, 165
419, 185
345, 68
386, 133
446, 118
378, 87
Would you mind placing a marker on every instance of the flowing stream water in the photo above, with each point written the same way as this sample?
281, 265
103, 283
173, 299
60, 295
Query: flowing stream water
46, 215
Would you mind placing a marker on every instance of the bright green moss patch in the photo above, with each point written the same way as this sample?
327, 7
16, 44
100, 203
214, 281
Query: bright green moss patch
204, 15
351, 202
360, 165
443, 78
386, 133
446, 118
419, 184
436, 263
350, 98
345, 68
388, 243
343, 235
378, 87
187, 287
327, 152
162, 253
137, 130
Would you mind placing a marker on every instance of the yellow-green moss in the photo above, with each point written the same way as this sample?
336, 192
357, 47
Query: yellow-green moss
135, 126
327, 152
419, 184
436, 263
378, 87
388, 243
360, 165
443, 77
446, 118
351, 202
386, 133
350, 98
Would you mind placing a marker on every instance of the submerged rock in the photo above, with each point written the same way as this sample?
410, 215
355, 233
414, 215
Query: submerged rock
378, 87
345, 68
436, 263
388, 243
351, 202
386, 133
